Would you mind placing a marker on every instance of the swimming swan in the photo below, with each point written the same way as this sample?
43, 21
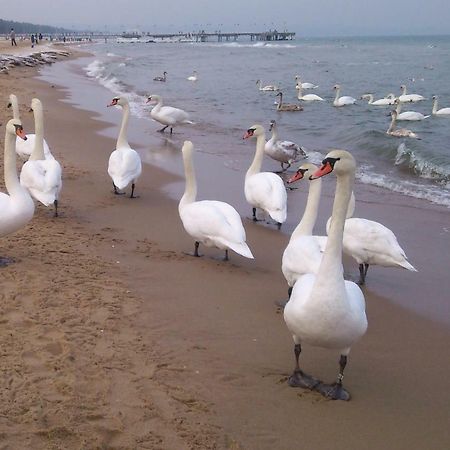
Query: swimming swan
124, 166
264, 190
381, 102
408, 115
342, 101
286, 152
287, 106
210, 222
305, 85
439, 112
399, 132
269, 87
404, 98
42, 177
163, 78
25, 148
324, 309
167, 115
193, 77
17, 206
306, 97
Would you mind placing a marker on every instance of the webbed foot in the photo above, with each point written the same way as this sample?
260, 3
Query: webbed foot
301, 379
333, 391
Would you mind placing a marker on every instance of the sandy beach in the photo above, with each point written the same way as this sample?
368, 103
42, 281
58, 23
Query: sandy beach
113, 338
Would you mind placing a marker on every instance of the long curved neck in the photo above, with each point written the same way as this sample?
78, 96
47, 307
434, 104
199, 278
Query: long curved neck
398, 108
158, 105
299, 90
338, 91
392, 125
306, 225
38, 150
122, 139
403, 90
14, 106
331, 265
190, 190
256, 164
280, 103
274, 133
11, 179
435, 106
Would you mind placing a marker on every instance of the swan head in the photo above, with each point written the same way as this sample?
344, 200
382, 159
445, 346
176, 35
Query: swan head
118, 101
14, 126
12, 100
36, 104
153, 98
187, 148
434, 97
272, 125
336, 87
338, 161
254, 131
302, 172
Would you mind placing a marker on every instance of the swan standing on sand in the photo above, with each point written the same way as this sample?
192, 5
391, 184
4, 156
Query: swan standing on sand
408, 115
439, 112
264, 190
25, 148
193, 77
163, 78
42, 177
400, 132
286, 152
342, 101
167, 115
404, 98
210, 222
287, 106
306, 97
269, 87
17, 207
381, 102
124, 165
304, 85
324, 309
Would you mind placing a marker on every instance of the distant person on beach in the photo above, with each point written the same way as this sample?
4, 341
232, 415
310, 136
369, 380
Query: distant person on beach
32, 41
12, 35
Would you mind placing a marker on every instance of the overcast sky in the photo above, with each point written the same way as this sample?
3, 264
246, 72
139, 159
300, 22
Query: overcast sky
306, 17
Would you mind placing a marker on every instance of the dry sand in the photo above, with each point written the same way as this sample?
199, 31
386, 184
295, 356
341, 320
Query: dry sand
111, 337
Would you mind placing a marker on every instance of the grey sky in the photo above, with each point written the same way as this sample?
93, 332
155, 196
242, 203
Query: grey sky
306, 17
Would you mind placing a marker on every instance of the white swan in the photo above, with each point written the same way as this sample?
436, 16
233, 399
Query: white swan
269, 87
408, 115
42, 177
303, 253
167, 115
210, 222
325, 310
286, 152
439, 112
264, 190
287, 106
381, 102
306, 97
305, 85
159, 78
124, 166
193, 77
399, 132
404, 98
17, 207
342, 101
25, 148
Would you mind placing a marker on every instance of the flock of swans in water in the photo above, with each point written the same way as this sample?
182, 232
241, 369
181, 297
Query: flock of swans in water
323, 309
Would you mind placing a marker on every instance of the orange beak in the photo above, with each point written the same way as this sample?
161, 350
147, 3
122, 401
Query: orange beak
248, 134
113, 103
21, 133
324, 169
297, 176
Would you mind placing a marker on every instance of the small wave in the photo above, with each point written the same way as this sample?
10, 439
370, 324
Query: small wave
252, 45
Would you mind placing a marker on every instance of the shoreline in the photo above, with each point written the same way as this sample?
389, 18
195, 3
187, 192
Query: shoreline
182, 353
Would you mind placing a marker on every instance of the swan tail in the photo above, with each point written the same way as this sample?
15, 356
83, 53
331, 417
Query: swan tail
406, 265
242, 249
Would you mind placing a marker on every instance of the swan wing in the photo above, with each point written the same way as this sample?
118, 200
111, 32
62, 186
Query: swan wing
124, 166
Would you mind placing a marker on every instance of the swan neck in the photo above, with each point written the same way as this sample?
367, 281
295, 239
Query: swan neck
299, 90
11, 179
306, 225
38, 150
392, 125
190, 190
256, 164
274, 134
398, 108
435, 106
280, 103
122, 139
332, 258
338, 91
15, 106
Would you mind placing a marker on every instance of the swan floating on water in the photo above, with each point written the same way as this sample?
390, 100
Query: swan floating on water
41, 176
264, 190
167, 115
439, 112
287, 106
124, 166
408, 115
405, 98
210, 222
17, 206
325, 310
193, 77
399, 132
304, 85
342, 101
285, 152
269, 87
381, 102
306, 97
163, 78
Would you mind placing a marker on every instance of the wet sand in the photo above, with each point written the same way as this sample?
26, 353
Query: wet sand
113, 338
